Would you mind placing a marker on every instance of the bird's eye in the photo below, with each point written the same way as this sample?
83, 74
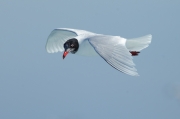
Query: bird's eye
72, 45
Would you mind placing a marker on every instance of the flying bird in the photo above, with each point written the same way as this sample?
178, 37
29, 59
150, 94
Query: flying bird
115, 50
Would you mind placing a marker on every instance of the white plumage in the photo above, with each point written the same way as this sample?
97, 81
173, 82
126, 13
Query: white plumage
115, 50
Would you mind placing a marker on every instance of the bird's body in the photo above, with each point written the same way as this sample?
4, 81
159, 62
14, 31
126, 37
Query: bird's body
115, 50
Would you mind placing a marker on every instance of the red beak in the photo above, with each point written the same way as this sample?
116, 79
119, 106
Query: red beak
65, 53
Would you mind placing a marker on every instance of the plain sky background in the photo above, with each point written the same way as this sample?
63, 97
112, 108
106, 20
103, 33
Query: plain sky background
38, 85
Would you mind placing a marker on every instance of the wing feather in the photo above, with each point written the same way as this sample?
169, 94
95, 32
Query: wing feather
114, 52
57, 38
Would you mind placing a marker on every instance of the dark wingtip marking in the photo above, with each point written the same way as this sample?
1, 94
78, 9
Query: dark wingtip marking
134, 53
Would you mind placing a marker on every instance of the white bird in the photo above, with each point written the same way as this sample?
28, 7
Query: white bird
115, 50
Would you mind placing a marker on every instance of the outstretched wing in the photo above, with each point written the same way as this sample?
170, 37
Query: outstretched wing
59, 36
113, 50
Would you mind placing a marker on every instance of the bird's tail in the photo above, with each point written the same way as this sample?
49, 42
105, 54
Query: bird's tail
135, 45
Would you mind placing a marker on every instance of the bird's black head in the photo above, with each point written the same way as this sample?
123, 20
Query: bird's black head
70, 45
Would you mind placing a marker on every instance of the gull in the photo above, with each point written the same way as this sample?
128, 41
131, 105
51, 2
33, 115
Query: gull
115, 50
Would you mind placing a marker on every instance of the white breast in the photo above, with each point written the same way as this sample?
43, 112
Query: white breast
85, 48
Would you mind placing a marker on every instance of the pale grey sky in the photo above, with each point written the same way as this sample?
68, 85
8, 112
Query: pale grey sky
38, 85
